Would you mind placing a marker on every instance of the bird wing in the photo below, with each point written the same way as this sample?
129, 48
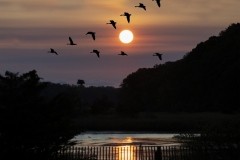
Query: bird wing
123, 53
55, 53
70, 39
114, 25
159, 56
97, 52
52, 50
158, 3
128, 18
93, 36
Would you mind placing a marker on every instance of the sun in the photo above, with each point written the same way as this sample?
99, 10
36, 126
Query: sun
126, 36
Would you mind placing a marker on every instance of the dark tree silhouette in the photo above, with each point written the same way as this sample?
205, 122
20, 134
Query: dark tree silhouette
102, 106
31, 126
80, 82
223, 135
205, 79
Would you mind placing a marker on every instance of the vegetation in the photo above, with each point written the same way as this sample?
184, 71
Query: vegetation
205, 80
32, 127
164, 122
102, 106
223, 136
85, 98
80, 82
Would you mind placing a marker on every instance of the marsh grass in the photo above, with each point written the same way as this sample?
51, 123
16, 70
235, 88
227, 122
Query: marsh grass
162, 122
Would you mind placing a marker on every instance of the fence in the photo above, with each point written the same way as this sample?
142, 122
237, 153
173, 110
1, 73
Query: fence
145, 153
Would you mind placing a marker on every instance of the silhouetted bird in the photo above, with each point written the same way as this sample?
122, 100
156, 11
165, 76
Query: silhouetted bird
52, 51
92, 33
123, 53
96, 51
158, 2
159, 55
71, 42
141, 6
113, 23
127, 15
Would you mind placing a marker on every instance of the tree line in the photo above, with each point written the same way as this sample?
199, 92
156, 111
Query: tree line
37, 118
205, 79
32, 127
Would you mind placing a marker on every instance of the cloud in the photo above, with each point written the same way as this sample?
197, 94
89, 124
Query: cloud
75, 13
30, 28
43, 4
146, 39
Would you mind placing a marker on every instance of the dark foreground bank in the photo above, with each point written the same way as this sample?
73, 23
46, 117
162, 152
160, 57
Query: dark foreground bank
164, 122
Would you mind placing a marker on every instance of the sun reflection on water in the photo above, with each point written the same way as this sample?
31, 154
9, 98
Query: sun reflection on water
127, 140
126, 152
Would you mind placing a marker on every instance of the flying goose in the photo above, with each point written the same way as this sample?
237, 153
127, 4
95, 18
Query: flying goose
159, 55
141, 6
92, 33
158, 2
123, 53
113, 23
127, 15
97, 52
71, 42
52, 51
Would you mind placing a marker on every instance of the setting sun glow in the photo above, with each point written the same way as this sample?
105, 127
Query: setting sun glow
126, 36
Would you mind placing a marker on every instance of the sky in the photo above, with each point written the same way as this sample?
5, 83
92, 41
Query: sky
28, 29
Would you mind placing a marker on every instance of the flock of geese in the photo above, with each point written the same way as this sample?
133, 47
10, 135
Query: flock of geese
113, 23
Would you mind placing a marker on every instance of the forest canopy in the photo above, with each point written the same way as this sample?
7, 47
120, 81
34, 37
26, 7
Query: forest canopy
32, 127
205, 79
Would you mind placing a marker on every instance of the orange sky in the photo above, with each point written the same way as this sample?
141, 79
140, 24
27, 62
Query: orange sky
29, 28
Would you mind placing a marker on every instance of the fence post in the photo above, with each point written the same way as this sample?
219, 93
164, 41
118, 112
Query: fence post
158, 154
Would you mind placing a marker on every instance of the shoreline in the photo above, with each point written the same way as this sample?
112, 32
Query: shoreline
134, 142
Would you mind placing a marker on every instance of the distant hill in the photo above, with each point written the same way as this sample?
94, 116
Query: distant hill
205, 79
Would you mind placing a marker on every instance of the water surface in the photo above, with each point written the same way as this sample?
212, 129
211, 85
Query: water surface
120, 138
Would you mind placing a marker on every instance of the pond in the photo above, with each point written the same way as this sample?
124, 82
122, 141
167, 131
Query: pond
120, 138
